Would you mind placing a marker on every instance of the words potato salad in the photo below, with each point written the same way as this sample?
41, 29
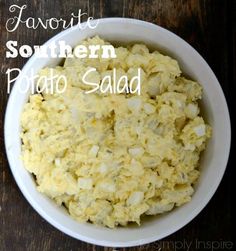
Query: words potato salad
111, 158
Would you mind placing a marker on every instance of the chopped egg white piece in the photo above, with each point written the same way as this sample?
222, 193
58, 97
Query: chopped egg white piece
136, 151
148, 108
85, 183
94, 151
200, 130
103, 168
108, 186
57, 162
191, 110
135, 198
134, 104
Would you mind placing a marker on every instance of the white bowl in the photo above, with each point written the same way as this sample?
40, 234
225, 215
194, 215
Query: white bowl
213, 162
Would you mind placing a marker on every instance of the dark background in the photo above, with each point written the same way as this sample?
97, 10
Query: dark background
210, 27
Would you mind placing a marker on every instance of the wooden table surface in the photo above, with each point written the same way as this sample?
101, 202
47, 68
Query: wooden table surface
210, 27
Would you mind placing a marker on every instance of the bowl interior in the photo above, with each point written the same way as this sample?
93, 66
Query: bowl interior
213, 161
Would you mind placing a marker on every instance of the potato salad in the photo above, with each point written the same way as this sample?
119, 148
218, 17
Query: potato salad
110, 159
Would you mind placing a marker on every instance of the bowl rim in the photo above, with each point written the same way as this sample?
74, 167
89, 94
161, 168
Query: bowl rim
114, 243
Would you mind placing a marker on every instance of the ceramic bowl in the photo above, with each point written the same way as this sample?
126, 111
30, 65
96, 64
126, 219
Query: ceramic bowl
213, 161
